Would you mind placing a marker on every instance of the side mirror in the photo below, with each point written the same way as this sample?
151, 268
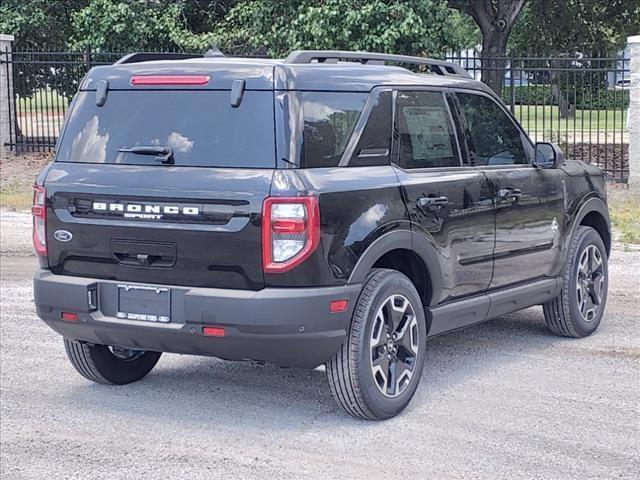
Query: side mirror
548, 155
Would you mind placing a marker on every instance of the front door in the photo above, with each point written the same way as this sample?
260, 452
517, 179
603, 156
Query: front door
450, 205
529, 203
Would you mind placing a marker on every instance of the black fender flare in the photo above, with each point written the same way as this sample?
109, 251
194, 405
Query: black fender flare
592, 204
407, 240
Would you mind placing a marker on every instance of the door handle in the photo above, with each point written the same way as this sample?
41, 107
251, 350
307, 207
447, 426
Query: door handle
509, 193
426, 202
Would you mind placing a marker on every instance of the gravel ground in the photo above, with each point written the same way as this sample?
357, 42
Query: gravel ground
501, 400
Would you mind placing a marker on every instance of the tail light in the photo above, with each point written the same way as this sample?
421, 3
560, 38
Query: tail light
290, 231
39, 212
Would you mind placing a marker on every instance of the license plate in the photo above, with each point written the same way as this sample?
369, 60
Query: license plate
146, 303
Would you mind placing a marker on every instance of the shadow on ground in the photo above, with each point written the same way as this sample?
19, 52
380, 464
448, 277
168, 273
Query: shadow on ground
211, 391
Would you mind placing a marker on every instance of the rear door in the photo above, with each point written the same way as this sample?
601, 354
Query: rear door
133, 214
449, 204
529, 202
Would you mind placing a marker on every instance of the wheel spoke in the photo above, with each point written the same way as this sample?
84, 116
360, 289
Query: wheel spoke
409, 337
398, 308
396, 371
381, 360
387, 313
597, 260
595, 300
380, 368
406, 356
401, 376
378, 332
583, 268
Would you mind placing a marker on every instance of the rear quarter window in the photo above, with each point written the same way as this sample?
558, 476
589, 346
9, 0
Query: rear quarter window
329, 120
200, 126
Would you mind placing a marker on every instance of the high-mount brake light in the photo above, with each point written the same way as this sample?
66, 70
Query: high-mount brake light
159, 80
39, 213
290, 231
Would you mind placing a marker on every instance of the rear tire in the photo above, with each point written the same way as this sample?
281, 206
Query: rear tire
578, 310
109, 365
377, 370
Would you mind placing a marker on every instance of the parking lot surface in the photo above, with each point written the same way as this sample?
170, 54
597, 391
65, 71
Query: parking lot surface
504, 399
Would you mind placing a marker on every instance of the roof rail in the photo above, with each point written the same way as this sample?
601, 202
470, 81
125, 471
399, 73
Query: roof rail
439, 67
148, 56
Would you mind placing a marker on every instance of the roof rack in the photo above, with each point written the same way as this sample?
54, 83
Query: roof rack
439, 67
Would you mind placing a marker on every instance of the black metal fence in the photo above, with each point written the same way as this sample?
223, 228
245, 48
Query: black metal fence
578, 102
41, 87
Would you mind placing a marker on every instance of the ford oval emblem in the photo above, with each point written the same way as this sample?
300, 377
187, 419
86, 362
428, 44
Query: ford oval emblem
63, 235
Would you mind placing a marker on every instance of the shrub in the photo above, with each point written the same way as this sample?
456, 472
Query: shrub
603, 99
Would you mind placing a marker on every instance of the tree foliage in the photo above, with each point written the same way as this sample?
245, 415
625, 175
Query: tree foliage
424, 27
549, 27
249, 26
39, 24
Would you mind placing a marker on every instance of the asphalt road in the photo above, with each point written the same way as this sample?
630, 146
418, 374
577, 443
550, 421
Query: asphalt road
501, 400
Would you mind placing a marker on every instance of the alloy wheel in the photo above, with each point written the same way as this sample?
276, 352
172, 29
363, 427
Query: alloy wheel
590, 282
394, 345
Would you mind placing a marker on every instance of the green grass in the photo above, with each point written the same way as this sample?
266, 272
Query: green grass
624, 208
547, 118
16, 197
532, 117
42, 100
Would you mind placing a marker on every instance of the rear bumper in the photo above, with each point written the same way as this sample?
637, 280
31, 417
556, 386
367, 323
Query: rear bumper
286, 326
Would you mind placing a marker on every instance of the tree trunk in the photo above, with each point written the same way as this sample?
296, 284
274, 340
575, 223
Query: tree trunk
494, 63
495, 18
560, 97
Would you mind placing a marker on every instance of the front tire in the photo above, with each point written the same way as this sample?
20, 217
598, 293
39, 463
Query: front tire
109, 365
376, 372
578, 310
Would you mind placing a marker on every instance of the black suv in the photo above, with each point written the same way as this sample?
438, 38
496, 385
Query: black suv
328, 208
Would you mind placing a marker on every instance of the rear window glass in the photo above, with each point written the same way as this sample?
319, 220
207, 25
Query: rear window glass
329, 120
200, 127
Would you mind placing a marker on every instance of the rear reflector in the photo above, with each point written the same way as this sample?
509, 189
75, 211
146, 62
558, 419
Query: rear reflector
69, 316
337, 306
169, 80
288, 226
213, 331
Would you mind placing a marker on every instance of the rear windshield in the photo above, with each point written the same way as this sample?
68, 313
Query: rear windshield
200, 127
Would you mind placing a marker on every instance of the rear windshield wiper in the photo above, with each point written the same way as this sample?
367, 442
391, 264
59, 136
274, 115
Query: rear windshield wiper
162, 154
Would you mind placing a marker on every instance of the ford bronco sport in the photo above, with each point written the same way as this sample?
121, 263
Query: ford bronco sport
330, 208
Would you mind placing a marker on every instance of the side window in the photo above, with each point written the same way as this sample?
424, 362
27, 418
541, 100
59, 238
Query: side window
374, 145
329, 120
425, 135
491, 136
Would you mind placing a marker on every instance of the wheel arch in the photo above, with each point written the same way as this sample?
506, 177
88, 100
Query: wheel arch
595, 214
409, 253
